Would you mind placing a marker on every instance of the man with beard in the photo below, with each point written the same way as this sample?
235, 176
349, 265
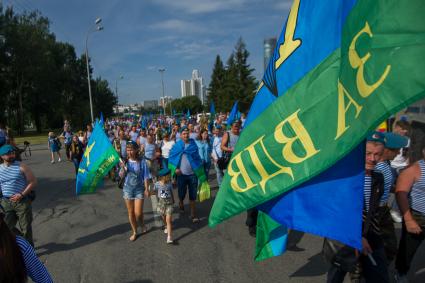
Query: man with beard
16, 183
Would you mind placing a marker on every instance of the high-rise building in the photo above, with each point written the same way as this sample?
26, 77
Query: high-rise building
194, 86
185, 87
269, 46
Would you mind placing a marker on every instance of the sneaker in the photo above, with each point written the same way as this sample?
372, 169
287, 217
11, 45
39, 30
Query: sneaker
59, 160
395, 215
52, 161
399, 278
165, 231
169, 241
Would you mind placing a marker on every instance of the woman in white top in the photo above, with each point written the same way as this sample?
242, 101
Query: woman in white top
167, 144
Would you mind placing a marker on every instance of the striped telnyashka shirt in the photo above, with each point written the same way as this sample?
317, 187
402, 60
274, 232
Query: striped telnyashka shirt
35, 269
385, 168
12, 180
367, 191
417, 194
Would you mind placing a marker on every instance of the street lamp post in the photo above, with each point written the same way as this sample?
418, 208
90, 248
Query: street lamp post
91, 29
161, 71
116, 85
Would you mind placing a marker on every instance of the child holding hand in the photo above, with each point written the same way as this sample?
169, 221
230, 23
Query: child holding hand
163, 187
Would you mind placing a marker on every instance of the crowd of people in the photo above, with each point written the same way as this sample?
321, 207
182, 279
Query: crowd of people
147, 147
159, 154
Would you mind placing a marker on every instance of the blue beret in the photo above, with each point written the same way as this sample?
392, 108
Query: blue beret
395, 141
163, 172
376, 136
5, 149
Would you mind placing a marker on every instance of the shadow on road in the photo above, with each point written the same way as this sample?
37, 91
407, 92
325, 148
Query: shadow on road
315, 266
86, 240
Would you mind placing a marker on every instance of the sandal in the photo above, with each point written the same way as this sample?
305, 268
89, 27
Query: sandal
133, 237
195, 219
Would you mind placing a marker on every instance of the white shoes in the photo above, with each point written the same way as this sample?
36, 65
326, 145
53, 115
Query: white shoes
395, 215
59, 160
169, 240
52, 161
165, 231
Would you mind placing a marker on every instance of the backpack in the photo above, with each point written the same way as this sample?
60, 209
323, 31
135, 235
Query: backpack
58, 143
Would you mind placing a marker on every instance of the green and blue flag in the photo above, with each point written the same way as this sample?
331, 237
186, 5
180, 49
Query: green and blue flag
339, 69
98, 159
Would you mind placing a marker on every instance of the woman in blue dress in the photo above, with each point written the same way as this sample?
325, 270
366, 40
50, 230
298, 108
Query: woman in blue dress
54, 146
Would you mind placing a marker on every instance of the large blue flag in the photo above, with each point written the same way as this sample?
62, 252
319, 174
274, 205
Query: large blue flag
98, 159
329, 205
233, 114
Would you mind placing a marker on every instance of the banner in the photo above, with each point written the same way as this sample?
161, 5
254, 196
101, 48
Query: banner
98, 159
378, 69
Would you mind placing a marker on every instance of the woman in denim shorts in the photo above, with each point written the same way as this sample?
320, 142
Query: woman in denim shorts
136, 175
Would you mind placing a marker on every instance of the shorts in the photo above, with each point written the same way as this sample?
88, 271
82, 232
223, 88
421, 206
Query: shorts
187, 182
165, 206
133, 193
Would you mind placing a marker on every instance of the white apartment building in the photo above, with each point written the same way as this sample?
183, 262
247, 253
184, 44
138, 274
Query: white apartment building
194, 86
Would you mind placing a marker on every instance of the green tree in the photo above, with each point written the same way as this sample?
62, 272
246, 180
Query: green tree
43, 81
103, 98
247, 84
192, 103
233, 82
216, 87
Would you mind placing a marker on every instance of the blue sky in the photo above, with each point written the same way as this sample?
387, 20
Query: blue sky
141, 36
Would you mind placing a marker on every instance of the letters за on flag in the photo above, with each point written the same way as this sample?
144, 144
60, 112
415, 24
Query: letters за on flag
98, 159
305, 208
379, 69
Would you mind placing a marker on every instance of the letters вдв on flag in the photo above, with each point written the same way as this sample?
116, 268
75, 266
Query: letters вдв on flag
377, 69
98, 159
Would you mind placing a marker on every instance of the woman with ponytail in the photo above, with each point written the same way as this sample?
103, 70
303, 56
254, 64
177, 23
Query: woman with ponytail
18, 259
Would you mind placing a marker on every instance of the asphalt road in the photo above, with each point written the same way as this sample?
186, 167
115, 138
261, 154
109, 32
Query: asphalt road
85, 239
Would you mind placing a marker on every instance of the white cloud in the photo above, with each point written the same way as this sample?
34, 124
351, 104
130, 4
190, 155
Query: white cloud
177, 25
284, 5
203, 6
196, 49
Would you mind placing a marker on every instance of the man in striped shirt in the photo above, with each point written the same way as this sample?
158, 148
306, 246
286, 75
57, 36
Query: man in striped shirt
16, 182
393, 144
371, 263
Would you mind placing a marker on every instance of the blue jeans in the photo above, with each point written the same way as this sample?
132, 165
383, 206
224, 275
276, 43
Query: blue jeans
187, 182
76, 162
219, 174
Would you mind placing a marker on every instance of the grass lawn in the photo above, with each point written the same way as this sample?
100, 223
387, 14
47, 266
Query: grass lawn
32, 138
